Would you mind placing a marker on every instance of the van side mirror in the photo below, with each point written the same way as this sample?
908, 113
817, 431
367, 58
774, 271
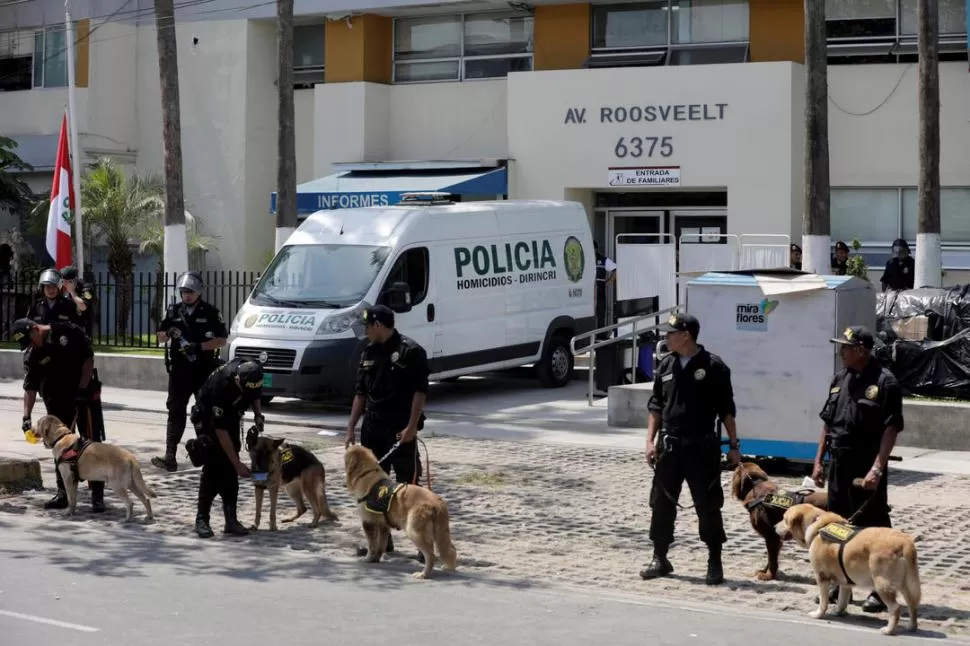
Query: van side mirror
397, 297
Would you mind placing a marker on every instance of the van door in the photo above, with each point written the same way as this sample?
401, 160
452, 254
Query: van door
413, 267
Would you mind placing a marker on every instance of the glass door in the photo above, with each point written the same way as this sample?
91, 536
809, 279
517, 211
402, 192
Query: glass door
636, 227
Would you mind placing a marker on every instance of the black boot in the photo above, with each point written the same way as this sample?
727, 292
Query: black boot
715, 571
202, 527
97, 497
59, 501
873, 603
659, 565
233, 526
362, 551
168, 463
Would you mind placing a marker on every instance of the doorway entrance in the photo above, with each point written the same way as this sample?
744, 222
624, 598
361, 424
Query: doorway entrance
637, 226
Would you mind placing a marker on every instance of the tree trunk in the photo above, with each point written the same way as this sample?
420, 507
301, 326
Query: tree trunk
816, 218
175, 252
286, 220
929, 265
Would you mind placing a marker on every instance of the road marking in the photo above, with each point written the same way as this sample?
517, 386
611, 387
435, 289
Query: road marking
49, 622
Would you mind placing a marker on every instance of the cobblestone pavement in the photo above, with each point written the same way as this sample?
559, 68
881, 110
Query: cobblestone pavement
578, 516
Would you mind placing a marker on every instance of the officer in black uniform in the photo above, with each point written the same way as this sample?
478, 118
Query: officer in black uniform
58, 363
52, 307
840, 261
900, 272
862, 415
795, 256
392, 385
230, 390
81, 297
195, 330
605, 274
691, 388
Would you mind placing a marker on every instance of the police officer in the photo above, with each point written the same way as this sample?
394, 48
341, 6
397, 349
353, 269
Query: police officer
840, 261
58, 363
229, 391
392, 384
862, 415
81, 297
195, 330
795, 256
605, 274
900, 272
691, 388
52, 306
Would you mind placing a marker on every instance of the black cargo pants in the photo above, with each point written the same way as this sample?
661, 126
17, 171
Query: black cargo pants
845, 499
183, 383
219, 477
379, 437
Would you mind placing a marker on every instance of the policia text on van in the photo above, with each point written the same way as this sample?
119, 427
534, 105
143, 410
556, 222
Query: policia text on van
481, 286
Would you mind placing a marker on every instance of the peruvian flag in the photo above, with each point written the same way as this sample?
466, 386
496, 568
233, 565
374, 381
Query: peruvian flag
62, 205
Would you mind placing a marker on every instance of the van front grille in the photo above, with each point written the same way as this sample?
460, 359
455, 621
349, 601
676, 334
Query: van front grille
275, 359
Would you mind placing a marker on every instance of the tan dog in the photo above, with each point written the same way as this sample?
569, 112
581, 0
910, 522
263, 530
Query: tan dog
846, 555
293, 467
107, 463
383, 504
767, 503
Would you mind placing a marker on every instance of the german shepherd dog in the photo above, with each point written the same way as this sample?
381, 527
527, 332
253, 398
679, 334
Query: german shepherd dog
275, 463
767, 503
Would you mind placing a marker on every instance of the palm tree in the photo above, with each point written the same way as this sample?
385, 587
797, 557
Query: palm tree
153, 242
14, 192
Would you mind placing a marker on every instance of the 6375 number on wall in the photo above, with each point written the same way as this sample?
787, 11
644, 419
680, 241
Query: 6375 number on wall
636, 147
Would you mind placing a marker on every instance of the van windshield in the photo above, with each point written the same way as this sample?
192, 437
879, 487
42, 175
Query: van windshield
319, 275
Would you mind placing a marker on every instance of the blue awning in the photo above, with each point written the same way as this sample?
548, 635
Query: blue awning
357, 188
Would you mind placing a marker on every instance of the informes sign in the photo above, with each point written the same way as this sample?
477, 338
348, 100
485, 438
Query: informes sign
644, 176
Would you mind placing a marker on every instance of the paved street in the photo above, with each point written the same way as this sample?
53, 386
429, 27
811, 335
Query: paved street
122, 587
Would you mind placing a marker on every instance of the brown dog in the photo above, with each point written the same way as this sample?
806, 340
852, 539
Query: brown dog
766, 504
846, 555
78, 459
383, 504
295, 468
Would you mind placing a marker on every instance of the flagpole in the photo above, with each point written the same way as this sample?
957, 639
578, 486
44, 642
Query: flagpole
75, 150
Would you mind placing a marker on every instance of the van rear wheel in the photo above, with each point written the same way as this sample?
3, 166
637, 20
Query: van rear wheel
556, 366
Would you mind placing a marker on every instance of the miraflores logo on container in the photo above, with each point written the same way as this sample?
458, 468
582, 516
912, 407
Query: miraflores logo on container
753, 317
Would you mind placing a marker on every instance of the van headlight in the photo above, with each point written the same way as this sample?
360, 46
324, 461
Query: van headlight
340, 323
236, 320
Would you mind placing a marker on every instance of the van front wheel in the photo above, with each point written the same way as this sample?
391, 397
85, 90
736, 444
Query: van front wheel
556, 366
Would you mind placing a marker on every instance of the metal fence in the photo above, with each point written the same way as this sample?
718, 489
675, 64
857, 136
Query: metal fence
127, 309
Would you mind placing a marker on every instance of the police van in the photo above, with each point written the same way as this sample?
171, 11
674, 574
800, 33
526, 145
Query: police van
482, 286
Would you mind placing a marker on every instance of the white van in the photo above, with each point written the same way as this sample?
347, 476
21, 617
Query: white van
480, 285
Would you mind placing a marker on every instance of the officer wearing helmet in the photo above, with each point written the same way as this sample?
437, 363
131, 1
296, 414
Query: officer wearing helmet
194, 330
52, 307
217, 415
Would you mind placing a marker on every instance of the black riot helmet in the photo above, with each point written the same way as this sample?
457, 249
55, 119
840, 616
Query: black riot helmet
190, 281
250, 375
49, 277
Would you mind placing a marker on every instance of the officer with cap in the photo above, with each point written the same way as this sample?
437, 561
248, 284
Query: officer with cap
795, 256
691, 388
58, 363
900, 272
861, 418
392, 385
229, 391
52, 307
195, 330
81, 298
840, 261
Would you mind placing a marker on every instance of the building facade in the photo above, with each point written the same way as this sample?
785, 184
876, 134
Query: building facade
660, 116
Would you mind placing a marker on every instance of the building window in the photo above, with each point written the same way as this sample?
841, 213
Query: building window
50, 58
671, 32
16, 60
884, 31
464, 47
954, 214
869, 214
309, 45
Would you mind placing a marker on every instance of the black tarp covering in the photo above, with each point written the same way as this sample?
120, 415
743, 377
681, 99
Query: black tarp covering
939, 365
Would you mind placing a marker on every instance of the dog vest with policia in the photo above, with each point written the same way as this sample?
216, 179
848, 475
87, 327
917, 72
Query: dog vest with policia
781, 500
378, 500
293, 460
72, 455
840, 533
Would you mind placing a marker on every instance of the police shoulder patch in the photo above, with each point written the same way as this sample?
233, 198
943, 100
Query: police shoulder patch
86, 295
699, 374
63, 340
216, 411
872, 392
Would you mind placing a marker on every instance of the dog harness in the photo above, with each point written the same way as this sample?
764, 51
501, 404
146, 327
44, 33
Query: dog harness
380, 497
840, 533
293, 460
780, 499
72, 455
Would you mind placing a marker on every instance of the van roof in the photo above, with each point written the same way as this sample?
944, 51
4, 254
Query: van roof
374, 225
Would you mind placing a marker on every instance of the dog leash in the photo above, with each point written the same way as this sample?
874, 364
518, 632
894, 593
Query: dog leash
417, 457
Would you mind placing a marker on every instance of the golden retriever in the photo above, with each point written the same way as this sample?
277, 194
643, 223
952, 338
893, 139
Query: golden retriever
846, 555
766, 503
383, 505
107, 463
